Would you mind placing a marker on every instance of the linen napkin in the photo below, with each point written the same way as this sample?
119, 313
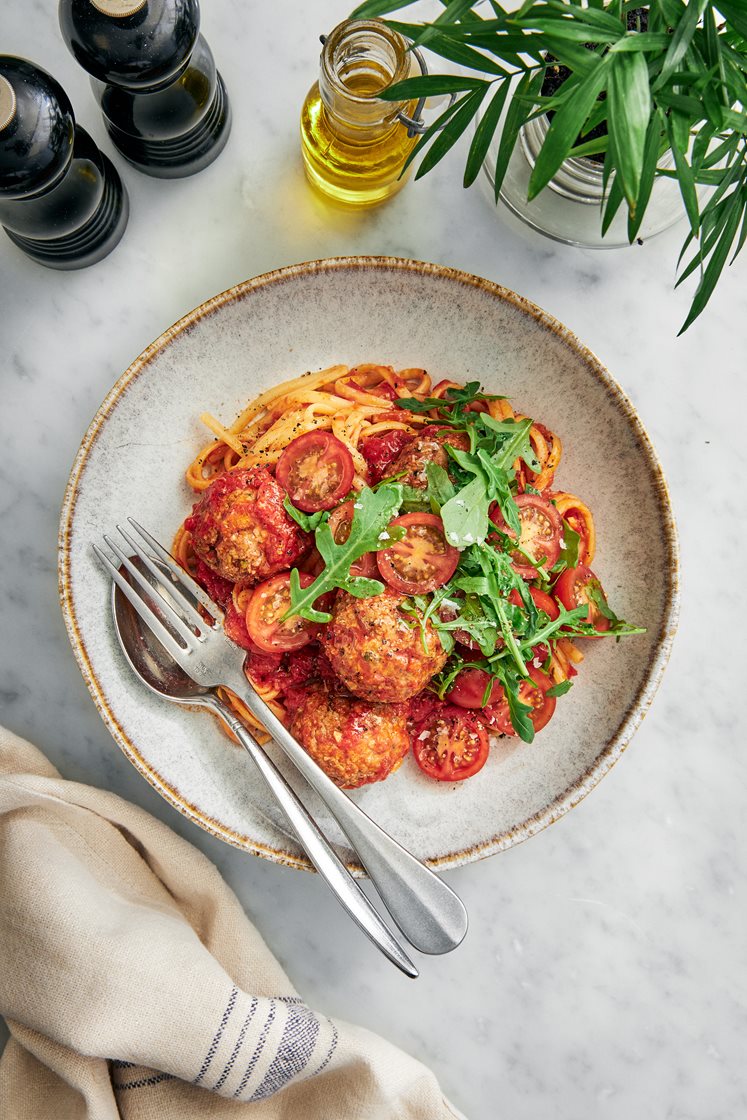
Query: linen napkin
135, 987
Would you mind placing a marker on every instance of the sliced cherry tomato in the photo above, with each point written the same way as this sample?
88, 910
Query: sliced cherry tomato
383, 389
439, 390
573, 588
316, 469
234, 626
312, 563
340, 521
578, 524
381, 449
532, 692
422, 560
269, 602
541, 530
469, 689
451, 745
448, 612
542, 601
422, 707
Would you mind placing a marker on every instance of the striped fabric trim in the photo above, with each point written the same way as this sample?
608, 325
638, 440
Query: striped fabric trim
259, 1048
330, 1052
239, 1042
298, 1043
218, 1035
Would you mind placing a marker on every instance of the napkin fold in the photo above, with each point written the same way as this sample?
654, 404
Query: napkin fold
135, 987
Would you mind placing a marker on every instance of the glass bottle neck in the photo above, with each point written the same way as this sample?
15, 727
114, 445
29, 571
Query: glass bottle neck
361, 58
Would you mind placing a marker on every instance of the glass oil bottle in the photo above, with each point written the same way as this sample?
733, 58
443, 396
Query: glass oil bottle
355, 144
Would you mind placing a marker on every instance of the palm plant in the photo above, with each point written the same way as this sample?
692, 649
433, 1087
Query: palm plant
631, 89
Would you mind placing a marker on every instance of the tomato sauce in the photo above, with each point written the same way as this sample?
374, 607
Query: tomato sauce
290, 672
219, 589
381, 450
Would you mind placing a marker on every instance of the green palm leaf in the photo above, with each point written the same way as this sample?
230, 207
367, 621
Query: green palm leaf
565, 127
629, 99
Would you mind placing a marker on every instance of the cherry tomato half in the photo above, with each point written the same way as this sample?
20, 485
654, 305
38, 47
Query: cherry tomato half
451, 745
572, 589
340, 521
534, 693
469, 687
316, 469
269, 602
542, 601
448, 612
234, 626
541, 530
380, 450
422, 560
578, 524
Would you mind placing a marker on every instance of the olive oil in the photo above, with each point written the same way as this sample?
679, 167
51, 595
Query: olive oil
354, 145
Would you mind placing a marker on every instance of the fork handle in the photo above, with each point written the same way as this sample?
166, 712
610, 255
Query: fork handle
428, 912
314, 843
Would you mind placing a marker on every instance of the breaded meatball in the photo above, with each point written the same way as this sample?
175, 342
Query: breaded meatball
427, 447
354, 741
377, 651
241, 531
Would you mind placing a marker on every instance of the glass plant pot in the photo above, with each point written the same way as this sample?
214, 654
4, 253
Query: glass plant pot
569, 209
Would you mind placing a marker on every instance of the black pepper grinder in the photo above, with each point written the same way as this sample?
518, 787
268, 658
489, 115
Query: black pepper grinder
164, 103
61, 200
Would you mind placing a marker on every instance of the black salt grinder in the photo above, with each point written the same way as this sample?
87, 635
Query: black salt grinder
164, 103
61, 200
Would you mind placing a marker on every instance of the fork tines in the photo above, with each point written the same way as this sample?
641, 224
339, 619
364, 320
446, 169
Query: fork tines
173, 617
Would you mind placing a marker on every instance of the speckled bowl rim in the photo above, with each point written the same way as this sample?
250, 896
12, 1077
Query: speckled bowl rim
637, 708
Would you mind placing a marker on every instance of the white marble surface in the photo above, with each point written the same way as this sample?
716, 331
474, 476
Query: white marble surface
604, 972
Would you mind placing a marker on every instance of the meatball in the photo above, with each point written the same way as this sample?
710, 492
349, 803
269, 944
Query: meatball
241, 531
378, 651
354, 741
427, 447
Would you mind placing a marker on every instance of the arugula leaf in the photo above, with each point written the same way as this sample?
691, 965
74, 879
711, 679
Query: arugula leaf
453, 399
520, 715
440, 487
560, 688
308, 521
516, 445
568, 557
465, 516
617, 625
501, 442
415, 498
372, 512
509, 637
568, 621
437, 491
518, 711
469, 617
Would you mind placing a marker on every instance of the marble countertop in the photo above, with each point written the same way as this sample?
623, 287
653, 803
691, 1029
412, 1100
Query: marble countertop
604, 972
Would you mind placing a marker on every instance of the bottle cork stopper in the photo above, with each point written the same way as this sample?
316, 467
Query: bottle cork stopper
118, 9
7, 103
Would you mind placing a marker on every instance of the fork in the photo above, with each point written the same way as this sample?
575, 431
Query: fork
427, 911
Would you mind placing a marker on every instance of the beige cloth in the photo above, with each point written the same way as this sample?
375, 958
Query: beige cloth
135, 987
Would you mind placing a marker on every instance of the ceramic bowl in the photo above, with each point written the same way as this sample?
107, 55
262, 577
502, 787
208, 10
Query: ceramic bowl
404, 313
